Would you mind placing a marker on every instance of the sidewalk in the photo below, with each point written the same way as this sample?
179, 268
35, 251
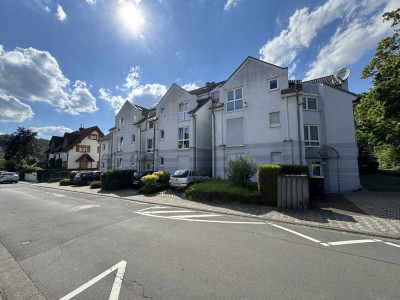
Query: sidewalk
372, 213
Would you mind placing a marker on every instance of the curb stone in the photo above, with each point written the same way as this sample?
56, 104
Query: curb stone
244, 215
14, 283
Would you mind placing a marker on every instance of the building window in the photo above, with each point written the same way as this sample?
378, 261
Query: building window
183, 138
310, 103
274, 119
183, 110
94, 136
134, 118
162, 111
120, 144
84, 149
234, 136
161, 161
133, 138
103, 165
104, 146
276, 157
315, 168
151, 124
119, 162
273, 84
121, 124
162, 134
149, 145
98, 149
235, 100
311, 135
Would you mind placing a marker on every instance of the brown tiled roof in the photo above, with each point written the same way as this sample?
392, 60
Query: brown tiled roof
206, 89
330, 80
76, 137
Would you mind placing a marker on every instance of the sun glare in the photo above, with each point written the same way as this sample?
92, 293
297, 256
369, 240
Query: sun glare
132, 17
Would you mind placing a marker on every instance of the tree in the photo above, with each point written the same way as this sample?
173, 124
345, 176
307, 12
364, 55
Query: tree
384, 68
22, 145
241, 169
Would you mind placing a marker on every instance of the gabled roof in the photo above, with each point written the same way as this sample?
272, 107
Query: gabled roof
106, 137
200, 104
85, 157
206, 89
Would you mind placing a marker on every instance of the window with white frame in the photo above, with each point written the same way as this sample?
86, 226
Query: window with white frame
162, 111
161, 161
183, 138
119, 162
121, 124
274, 119
94, 136
276, 157
273, 84
149, 145
133, 138
311, 137
234, 100
104, 146
315, 168
162, 134
151, 124
120, 144
134, 118
183, 111
310, 103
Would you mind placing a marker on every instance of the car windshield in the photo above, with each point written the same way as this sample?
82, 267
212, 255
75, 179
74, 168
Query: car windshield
181, 173
78, 175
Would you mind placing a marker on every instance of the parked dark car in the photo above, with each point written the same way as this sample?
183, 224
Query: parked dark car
137, 178
86, 178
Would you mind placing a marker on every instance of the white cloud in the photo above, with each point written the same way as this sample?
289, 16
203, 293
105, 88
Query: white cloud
231, 3
190, 86
60, 14
13, 110
91, 2
349, 44
49, 131
35, 75
133, 90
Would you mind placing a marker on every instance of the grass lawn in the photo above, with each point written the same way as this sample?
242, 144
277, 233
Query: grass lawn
223, 190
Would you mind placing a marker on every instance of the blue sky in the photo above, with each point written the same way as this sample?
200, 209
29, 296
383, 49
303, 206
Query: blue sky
66, 63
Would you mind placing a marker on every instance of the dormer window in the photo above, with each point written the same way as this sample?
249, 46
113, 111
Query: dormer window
94, 136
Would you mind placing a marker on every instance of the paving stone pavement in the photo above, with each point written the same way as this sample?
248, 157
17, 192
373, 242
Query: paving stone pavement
380, 211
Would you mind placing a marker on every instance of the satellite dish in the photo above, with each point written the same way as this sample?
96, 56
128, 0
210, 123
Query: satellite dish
343, 73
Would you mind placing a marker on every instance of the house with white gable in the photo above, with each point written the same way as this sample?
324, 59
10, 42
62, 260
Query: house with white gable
261, 113
78, 150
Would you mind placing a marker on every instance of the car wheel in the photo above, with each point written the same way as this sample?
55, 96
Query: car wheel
16, 181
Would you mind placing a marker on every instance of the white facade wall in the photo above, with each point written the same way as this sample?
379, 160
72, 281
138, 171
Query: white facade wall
105, 154
73, 155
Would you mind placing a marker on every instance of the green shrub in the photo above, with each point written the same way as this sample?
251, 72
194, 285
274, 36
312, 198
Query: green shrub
95, 184
294, 169
152, 188
388, 156
58, 163
241, 169
65, 181
52, 163
223, 190
163, 177
10, 165
150, 179
116, 179
43, 175
268, 183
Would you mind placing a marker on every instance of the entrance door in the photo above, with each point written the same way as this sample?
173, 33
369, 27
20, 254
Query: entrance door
83, 164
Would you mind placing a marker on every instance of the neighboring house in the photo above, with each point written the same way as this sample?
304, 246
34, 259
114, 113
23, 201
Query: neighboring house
145, 129
105, 152
260, 113
78, 150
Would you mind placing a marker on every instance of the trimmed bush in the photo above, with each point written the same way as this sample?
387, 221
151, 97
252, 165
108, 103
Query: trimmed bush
65, 181
241, 169
95, 184
268, 183
116, 179
163, 177
294, 169
223, 190
150, 179
152, 188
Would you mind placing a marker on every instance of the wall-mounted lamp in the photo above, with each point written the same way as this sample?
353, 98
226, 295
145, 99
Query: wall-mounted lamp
245, 104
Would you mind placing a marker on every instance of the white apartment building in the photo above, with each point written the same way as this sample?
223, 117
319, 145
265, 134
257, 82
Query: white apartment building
257, 111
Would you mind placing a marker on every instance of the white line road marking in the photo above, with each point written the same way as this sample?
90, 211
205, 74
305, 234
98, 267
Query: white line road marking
325, 244
296, 233
152, 207
55, 194
83, 207
351, 242
391, 244
168, 211
194, 216
115, 288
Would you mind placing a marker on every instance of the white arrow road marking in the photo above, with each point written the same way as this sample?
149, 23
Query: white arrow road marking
296, 233
115, 288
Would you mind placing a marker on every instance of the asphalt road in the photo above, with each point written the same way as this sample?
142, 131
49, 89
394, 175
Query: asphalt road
64, 240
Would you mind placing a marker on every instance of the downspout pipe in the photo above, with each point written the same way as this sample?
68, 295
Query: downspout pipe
298, 124
195, 143
154, 146
213, 133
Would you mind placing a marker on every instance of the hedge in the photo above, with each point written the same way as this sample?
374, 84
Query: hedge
155, 182
65, 181
95, 184
294, 169
268, 183
116, 179
223, 190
